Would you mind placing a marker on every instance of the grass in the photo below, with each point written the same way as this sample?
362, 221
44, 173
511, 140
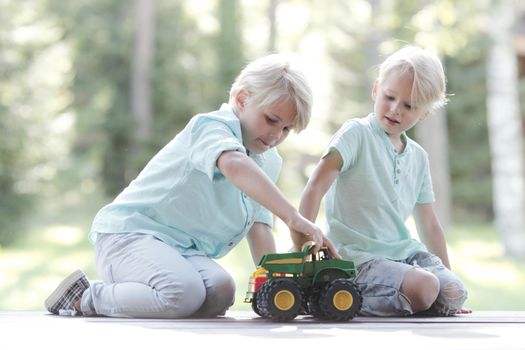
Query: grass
495, 282
32, 267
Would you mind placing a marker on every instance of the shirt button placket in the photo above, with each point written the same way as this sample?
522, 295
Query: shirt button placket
397, 171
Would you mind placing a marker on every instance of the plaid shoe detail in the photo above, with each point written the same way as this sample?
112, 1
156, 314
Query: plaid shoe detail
62, 300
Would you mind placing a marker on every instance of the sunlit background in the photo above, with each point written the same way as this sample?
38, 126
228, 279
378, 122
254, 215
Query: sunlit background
92, 89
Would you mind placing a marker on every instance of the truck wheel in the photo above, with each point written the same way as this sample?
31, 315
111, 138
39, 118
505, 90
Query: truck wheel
340, 300
279, 299
254, 305
313, 306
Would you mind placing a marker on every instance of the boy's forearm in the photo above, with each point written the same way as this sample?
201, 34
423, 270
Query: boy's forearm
310, 202
308, 208
260, 241
431, 232
244, 173
322, 178
437, 245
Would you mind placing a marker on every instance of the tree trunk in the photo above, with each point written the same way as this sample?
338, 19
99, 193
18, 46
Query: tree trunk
272, 17
373, 41
229, 43
141, 104
432, 135
505, 130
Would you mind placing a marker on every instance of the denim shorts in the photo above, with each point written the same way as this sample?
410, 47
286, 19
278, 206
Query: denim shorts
379, 281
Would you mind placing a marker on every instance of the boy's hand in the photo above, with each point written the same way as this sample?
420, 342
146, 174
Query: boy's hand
331, 248
298, 240
303, 230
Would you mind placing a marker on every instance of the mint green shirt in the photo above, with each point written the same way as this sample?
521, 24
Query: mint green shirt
183, 199
375, 192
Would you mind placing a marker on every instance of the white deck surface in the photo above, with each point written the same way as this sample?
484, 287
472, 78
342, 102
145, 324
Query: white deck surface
244, 330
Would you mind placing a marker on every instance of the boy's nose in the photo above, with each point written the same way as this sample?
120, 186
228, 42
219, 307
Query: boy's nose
394, 107
275, 135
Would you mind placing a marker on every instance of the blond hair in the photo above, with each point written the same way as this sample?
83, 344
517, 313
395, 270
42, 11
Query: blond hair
274, 79
429, 86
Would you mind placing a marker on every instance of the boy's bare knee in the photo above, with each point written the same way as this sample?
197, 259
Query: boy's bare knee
421, 288
429, 292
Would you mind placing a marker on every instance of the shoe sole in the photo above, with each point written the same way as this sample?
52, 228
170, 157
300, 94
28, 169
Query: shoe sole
62, 288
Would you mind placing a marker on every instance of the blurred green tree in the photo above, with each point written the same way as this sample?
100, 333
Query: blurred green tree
188, 75
229, 46
32, 100
99, 34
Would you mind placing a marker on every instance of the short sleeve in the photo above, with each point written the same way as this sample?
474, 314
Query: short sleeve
271, 165
209, 139
347, 142
265, 216
426, 194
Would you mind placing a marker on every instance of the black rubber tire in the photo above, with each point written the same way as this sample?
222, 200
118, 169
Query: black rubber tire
313, 306
340, 300
279, 299
254, 305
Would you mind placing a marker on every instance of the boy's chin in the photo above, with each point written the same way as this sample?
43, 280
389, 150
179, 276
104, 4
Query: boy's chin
258, 150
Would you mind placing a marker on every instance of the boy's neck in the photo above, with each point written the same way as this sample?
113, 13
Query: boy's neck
399, 142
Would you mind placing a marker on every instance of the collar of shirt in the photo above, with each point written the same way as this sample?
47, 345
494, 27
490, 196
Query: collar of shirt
374, 123
227, 110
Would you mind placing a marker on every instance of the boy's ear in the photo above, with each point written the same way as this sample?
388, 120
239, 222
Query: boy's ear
374, 90
240, 99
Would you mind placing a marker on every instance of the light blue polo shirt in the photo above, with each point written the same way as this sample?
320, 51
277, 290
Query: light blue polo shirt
376, 191
183, 199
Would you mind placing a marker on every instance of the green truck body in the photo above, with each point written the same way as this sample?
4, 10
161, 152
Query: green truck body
287, 284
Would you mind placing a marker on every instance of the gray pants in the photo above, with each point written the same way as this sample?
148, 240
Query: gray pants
143, 277
379, 282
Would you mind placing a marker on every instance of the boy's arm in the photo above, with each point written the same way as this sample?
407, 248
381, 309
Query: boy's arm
322, 178
261, 241
244, 173
432, 235
431, 232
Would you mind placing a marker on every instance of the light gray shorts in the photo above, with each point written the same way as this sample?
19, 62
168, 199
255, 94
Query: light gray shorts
379, 281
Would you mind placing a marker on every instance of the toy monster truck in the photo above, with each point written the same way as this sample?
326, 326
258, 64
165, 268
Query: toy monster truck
289, 283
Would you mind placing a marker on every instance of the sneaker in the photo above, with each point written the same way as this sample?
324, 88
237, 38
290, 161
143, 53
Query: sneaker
62, 300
